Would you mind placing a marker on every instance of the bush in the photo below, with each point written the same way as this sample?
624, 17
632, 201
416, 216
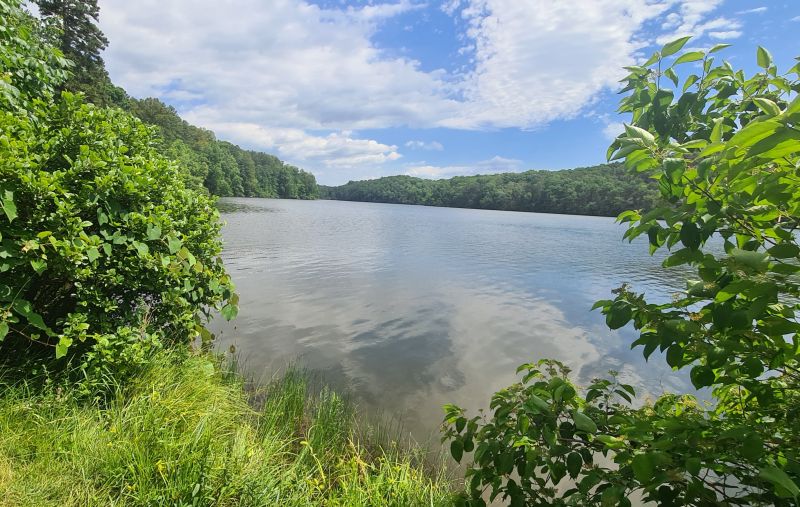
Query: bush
724, 149
105, 254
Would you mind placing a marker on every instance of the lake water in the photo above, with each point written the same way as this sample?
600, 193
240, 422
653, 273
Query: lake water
411, 307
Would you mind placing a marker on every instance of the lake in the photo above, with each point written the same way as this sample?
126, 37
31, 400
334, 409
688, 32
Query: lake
412, 307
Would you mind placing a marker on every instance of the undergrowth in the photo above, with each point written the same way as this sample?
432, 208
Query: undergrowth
186, 431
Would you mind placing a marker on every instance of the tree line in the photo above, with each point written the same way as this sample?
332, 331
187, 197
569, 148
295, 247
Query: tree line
603, 190
224, 169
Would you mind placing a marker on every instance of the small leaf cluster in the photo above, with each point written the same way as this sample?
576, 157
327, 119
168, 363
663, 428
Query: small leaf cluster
29, 67
724, 149
104, 252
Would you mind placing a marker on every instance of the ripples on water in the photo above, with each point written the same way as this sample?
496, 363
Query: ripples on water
411, 307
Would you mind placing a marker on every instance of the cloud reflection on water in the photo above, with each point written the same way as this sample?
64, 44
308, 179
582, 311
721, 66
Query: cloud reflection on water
410, 307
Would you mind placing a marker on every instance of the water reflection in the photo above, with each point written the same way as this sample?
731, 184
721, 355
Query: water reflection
411, 307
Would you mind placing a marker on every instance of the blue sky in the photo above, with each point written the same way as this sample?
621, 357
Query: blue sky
355, 89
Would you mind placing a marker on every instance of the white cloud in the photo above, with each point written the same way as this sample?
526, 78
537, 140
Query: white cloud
292, 77
796, 18
337, 150
422, 145
613, 129
540, 60
689, 19
496, 164
729, 34
757, 10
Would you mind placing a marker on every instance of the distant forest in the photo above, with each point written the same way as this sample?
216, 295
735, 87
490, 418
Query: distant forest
604, 190
221, 167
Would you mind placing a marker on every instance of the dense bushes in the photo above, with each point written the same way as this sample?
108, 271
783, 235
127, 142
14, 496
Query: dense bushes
105, 253
725, 151
602, 190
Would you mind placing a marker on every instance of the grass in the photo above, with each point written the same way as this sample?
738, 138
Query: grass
185, 432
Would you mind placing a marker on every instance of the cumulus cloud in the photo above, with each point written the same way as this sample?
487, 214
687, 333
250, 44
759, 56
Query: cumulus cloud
422, 145
613, 129
690, 19
497, 164
337, 150
291, 76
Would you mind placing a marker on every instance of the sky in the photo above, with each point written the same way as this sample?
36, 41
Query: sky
359, 89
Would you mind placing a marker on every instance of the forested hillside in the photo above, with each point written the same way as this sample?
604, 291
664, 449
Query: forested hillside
221, 167
604, 190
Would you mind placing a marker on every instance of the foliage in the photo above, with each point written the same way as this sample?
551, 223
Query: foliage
724, 149
29, 68
183, 433
601, 190
105, 253
72, 27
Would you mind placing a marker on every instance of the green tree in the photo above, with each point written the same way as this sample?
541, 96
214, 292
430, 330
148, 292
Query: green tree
724, 149
105, 254
76, 34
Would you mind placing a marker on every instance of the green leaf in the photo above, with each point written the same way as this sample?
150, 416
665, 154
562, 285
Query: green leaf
718, 47
174, 244
643, 467
618, 315
574, 464
3, 330
61, 348
754, 132
690, 235
230, 311
691, 56
673, 47
457, 450
141, 248
784, 251
763, 58
38, 265
25, 308
752, 447
794, 107
536, 404
675, 356
784, 486
692, 79
153, 232
584, 422
767, 106
93, 254
611, 442
9, 207
702, 376
693, 465
639, 133
716, 131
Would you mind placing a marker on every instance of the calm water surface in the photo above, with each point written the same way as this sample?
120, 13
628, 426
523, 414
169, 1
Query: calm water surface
411, 307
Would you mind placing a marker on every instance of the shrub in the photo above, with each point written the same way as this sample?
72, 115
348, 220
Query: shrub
724, 149
105, 254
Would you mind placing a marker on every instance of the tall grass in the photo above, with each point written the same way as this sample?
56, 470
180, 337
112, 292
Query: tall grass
184, 432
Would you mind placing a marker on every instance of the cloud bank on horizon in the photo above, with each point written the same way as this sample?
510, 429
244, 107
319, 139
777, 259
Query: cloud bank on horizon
351, 89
